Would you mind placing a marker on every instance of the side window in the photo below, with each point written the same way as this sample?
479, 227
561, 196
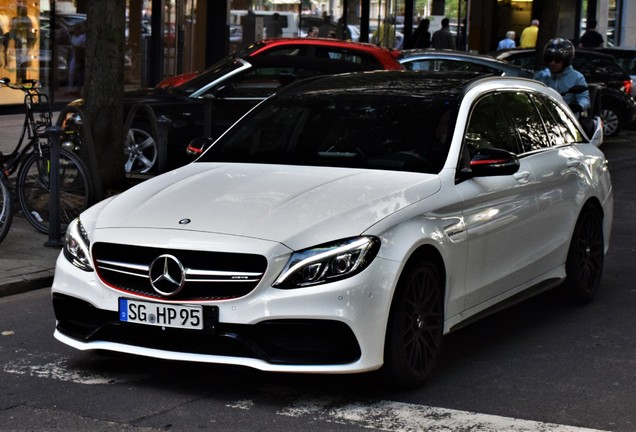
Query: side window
458, 65
348, 56
298, 51
488, 127
420, 65
585, 66
527, 120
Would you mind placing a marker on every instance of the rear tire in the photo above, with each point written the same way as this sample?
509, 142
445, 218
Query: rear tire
584, 265
611, 121
33, 189
414, 333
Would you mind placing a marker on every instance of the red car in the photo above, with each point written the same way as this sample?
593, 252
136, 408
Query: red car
372, 56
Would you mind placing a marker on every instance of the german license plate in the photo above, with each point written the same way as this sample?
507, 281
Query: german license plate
161, 314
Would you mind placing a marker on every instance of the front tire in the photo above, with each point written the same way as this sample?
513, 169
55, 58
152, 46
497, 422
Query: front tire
415, 328
584, 265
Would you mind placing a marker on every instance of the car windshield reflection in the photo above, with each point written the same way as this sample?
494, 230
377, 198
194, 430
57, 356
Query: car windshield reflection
368, 132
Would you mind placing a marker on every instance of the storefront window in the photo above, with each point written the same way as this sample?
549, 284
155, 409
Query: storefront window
26, 52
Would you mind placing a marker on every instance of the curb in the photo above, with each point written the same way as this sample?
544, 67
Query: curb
22, 284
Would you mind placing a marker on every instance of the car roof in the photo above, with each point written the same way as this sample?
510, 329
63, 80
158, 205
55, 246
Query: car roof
447, 53
407, 84
330, 42
478, 59
618, 51
522, 52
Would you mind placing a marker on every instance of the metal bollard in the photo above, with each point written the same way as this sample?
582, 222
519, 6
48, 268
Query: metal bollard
54, 134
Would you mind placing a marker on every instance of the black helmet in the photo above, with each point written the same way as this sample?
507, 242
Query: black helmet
560, 49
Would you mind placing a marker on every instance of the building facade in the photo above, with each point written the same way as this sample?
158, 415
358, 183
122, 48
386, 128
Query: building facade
44, 40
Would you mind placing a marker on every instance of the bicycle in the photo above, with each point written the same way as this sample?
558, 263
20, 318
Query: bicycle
31, 161
6, 206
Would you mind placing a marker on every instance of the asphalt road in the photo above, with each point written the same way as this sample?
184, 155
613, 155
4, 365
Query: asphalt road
533, 367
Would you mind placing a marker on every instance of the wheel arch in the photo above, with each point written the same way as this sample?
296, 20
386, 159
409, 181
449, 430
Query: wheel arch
398, 367
421, 253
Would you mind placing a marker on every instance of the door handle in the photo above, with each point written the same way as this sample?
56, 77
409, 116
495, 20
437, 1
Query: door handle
522, 176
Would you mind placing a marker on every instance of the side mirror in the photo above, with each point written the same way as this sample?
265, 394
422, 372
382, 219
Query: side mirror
197, 146
493, 162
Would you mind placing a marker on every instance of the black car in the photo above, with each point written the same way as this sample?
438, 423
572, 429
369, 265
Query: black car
618, 108
625, 57
209, 103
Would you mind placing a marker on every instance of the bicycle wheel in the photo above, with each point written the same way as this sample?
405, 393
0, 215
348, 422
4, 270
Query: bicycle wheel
33, 188
6, 206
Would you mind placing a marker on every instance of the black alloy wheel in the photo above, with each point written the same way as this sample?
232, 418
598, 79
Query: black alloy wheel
414, 333
584, 265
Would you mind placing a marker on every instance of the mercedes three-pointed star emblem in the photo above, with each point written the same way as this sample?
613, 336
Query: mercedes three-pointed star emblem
167, 275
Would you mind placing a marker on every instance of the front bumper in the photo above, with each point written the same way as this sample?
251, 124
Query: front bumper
332, 328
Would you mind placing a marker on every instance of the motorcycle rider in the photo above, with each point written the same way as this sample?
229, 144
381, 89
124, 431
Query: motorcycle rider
561, 76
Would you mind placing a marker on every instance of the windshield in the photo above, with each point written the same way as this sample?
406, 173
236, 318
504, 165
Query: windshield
375, 131
210, 75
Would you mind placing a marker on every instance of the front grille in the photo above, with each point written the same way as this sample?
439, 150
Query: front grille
207, 275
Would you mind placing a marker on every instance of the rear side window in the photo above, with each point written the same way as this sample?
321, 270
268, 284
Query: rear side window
558, 134
628, 63
558, 121
599, 68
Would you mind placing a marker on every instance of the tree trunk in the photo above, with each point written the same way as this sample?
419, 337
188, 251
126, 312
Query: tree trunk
103, 92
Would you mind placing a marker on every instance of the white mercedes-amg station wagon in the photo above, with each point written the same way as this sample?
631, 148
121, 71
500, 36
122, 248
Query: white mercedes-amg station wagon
345, 225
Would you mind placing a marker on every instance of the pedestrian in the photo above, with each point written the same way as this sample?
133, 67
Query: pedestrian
276, 27
326, 26
443, 38
591, 38
77, 64
559, 74
342, 30
23, 36
529, 35
312, 32
384, 35
421, 36
508, 42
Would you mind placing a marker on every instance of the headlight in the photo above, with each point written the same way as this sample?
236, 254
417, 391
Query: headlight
77, 246
328, 262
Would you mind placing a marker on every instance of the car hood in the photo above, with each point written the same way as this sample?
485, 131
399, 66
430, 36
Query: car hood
298, 206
